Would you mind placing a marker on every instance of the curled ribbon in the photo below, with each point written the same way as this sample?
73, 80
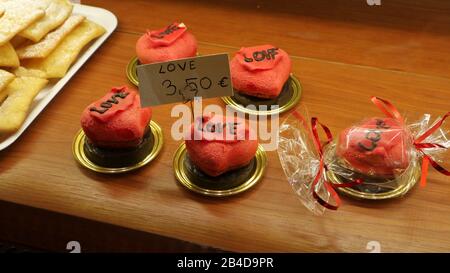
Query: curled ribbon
330, 187
390, 111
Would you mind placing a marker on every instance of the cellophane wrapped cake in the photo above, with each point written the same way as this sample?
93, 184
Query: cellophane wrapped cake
375, 156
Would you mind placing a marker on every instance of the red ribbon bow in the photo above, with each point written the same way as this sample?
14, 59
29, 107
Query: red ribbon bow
390, 111
330, 187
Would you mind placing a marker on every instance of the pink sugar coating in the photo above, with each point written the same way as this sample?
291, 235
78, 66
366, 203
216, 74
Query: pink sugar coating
125, 128
184, 47
261, 83
217, 157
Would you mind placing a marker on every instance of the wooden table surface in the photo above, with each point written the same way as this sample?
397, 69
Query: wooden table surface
342, 53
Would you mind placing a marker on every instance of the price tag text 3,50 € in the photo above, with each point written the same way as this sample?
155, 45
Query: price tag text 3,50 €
182, 80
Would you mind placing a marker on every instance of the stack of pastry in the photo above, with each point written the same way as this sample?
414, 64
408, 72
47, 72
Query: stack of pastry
39, 40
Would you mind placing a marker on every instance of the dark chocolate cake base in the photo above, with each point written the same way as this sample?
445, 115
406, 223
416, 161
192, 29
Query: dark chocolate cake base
225, 181
117, 158
283, 98
371, 184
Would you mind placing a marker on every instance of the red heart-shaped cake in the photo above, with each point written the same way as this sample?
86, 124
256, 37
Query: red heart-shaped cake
260, 71
170, 43
218, 144
377, 147
116, 120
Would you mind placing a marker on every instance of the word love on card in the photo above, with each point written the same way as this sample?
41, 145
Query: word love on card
182, 80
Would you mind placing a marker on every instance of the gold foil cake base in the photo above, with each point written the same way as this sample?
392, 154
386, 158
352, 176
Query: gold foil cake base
230, 183
78, 149
288, 98
374, 188
132, 71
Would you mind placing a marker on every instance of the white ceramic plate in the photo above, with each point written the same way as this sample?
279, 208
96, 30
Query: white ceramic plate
100, 16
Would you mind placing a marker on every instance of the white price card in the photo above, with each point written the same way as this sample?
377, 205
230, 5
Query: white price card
181, 80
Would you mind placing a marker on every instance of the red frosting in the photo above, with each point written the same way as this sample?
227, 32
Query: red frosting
116, 120
378, 147
169, 43
216, 148
260, 71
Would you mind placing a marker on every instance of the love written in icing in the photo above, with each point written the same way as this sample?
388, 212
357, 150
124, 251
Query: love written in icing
259, 56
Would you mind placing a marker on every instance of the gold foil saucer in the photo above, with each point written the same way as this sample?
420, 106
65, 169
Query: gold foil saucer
230, 183
132, 71
80, 155
288, 98
376, 188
